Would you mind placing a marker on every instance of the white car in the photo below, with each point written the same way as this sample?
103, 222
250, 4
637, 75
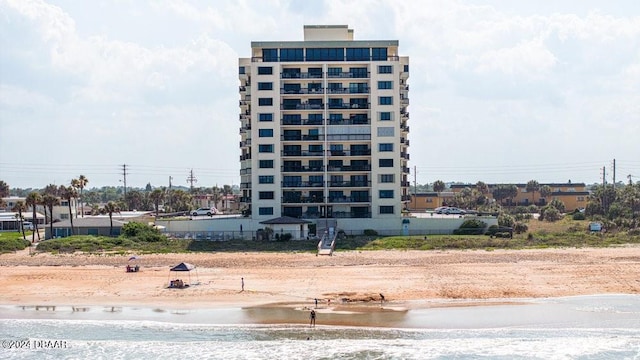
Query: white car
27, 225
204, 211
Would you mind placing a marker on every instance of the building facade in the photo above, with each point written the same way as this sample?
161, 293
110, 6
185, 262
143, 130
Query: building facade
324, 127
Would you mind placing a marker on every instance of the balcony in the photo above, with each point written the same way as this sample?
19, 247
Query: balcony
350, 168
404, 155
301, 122
350, 184
296, 169
406, 198
245, 143
302, 200
303, 107
406, 170
302, 153
348, 137
245, 157
245, 185
301, 184
349, 75
355, 121
346, 90
300, 75
349, 199
366, 152
319, 137
246, 171
343, 106
405, 184
301, 91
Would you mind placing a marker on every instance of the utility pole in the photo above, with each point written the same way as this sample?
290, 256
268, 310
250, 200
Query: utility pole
604, 188
614, 173
124, 174
191, 179
415, 188
170, 178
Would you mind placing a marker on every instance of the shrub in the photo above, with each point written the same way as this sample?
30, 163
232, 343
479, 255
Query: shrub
520, 228
506, 220
552, 214
471, 227
370, 232
141, 232
579, 216
286, 237
15, 244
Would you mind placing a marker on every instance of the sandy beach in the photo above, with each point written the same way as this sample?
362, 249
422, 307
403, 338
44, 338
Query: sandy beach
351, 279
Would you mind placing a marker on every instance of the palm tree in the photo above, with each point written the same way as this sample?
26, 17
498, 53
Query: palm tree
545, 191
20, 207
80, 183
482, 187
68, 193
110, 208
533, 186
4, 189
49, 201
438, 186
157, 196
33, 200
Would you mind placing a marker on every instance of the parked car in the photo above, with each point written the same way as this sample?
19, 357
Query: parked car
204, 211
27, 225
450, 210
439, 209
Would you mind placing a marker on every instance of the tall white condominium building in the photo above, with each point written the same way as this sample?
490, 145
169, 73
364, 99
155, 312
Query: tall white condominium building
324, 127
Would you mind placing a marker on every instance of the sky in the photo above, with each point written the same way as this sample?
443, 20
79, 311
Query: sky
500, 91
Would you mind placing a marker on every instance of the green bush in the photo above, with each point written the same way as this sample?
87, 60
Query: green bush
370, 232
579, 216
520, 228
552, 214
506, 220
141, 232
473, 224
13, 244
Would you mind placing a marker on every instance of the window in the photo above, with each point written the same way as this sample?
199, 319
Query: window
387, 178
325, 54
379, 54
385, 163
265, 70
385, 116
265, 211
385, 194
291, 54
382, 69
265, 148
265, 117
359, 72
265, 164
265, 179
334, 71
315, 73
357, 54
265, 195
406, 68
386, 131
265, 101
241, 70
386, 209
265, 133
382, 85
270, 55
265, 86
385, 147
383, 100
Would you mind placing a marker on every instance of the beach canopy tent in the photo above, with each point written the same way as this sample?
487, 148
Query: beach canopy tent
185, 267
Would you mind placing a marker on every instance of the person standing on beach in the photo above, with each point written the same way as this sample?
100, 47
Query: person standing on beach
312, 318
316, 299
242, 281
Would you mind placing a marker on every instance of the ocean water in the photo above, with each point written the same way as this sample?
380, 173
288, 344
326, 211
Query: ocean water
589, 327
